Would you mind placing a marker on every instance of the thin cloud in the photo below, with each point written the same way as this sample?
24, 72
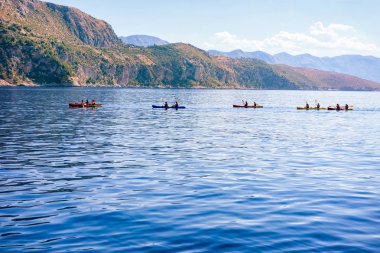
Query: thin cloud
321, 40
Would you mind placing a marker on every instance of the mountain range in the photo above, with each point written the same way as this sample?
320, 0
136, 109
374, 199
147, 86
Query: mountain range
366, 67
143, 40
47, 44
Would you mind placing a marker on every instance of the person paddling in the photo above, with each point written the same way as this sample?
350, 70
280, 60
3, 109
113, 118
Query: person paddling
176, 105
246, 104
307, 106
346, 107
318, 106
166, 105
254, 104
93, 102
337, 107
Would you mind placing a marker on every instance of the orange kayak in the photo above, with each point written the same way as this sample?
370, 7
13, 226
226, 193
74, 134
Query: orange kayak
84, 105
249, 106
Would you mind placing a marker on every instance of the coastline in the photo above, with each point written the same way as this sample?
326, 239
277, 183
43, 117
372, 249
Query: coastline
5, 84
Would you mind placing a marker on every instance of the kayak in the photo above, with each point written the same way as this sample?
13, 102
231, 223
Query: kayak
170, 107
80, 105
332, 108
310, 108
249, 106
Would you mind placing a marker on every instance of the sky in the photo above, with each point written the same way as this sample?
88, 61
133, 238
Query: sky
317, 27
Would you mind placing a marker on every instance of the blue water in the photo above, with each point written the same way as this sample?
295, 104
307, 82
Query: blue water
210, 178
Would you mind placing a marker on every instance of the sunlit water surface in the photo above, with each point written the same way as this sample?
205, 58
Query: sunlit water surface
126, 177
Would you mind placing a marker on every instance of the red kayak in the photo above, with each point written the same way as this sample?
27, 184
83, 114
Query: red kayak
249, 106
84, 105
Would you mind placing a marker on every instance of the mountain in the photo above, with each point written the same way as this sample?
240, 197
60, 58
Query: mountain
47, 44
366, 67
241, 54
313, 79
143, 40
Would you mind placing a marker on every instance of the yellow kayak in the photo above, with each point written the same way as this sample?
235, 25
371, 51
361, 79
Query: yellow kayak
333, 108
310, 108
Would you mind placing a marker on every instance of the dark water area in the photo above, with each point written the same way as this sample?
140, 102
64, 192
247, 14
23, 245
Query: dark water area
209, 178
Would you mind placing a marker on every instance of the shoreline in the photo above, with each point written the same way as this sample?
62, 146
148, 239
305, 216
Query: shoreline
33, 85
154, 88
26, 84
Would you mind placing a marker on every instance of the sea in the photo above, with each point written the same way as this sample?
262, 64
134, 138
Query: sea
209, 178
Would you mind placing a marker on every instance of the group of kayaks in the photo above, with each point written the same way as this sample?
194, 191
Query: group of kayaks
176, 106
93, 104
330, 108
183, 107
306, 107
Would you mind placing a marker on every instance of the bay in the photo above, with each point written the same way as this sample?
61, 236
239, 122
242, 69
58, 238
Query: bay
128, 178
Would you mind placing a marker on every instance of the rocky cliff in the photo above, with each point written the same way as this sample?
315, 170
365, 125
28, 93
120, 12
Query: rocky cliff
59, 22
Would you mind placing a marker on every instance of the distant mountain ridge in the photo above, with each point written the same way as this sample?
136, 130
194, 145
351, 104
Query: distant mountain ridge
314, 79
366, 67
143, 40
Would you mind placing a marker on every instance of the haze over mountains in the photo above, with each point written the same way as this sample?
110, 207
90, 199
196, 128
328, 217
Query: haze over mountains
366, 67
48, 44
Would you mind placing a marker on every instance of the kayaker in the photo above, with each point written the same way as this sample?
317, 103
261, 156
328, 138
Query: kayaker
346, 107
166, 105
87, 102
81, 102
307, 105
318, 106
176, 104
93, 102
254, 104
337, 107
246, 104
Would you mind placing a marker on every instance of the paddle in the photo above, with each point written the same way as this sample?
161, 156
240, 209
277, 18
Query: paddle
163, 101
307, 106
176, 100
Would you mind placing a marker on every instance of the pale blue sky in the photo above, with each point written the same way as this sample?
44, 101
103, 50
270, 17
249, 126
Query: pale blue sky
319, 27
